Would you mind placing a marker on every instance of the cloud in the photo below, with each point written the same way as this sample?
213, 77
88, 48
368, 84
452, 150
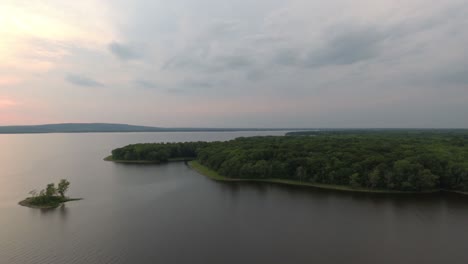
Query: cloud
123, 52
196, 62
82, 80
286, 57
197, 84
224, 29
232, 62
451, 75
456, 77
347, 47
176, 91
255, 75
216, 47
146, 84
198, 87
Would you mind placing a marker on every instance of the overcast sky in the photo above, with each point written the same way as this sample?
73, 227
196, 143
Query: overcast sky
236, 63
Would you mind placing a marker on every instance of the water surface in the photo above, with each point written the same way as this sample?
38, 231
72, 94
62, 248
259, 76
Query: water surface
171, 214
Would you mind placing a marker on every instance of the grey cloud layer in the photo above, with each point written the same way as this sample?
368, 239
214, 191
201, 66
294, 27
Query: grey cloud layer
347, 48
310, 58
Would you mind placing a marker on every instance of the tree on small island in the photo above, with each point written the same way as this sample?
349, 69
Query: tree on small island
62, 187
50, 197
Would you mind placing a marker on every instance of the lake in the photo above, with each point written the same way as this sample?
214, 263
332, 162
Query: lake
170, 214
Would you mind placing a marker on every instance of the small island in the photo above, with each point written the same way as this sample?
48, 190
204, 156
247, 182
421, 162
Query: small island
378, 161
50, 197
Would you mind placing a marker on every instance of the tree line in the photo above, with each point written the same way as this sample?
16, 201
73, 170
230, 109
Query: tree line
378, 160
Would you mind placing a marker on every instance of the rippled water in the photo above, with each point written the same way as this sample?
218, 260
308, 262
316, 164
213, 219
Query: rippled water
170, 214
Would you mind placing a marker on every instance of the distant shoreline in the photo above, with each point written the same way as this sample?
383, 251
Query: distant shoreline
125, 128
121, 128
203, 170
151, 131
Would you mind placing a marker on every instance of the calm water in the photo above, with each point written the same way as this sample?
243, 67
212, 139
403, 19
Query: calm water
170, 214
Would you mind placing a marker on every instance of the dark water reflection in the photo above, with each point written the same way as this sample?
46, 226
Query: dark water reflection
170, 214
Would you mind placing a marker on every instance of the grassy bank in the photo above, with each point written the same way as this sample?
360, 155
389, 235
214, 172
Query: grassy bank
52, 202
216, 176
109, 158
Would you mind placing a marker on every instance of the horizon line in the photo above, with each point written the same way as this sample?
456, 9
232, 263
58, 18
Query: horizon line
262, 128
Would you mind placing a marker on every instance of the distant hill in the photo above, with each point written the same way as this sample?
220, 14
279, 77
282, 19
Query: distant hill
104, 127
76, 128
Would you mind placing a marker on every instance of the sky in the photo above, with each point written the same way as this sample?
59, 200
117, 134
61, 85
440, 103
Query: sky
235, 63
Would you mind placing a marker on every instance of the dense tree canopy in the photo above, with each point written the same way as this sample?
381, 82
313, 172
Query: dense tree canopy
375, 160
158, 152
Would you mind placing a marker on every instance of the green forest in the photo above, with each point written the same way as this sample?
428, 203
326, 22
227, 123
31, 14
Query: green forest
378, 160
158, 152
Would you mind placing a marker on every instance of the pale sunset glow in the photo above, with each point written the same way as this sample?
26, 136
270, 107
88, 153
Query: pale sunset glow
8, 80
25, 24
38, 19
277, 63
4, 103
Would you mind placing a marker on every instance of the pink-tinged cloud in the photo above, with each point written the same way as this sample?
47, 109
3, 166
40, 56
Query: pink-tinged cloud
8, 80
6, 103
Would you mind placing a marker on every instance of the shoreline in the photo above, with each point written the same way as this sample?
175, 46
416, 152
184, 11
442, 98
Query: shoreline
213, 175
203, 170
109, 158
26, 203
456, 192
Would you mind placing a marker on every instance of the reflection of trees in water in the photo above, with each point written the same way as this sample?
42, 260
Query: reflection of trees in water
229, 188
62, 211
234, 188
316, 195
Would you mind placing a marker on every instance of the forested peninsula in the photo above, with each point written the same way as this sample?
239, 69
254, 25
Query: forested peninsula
377, 161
